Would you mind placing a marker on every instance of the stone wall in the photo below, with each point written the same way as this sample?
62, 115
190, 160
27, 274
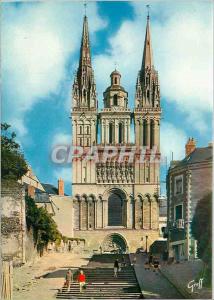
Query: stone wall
13, 222
31, 253
62, 206
134, 238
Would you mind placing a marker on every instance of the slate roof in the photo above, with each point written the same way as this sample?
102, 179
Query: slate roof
197, 156
50, 189
41, 197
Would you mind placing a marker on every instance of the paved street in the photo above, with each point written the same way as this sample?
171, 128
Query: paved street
28, 288
154, 286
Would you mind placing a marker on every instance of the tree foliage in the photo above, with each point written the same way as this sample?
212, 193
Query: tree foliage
13, 164
202, 231
44, 227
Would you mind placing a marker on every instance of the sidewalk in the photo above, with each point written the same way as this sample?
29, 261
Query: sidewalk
153, 286
183, 273
29, 288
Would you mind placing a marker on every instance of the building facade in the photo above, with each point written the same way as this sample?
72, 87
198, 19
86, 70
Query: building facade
188, 181
115, 192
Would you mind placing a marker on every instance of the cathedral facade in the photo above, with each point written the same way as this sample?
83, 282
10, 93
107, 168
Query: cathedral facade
115, 191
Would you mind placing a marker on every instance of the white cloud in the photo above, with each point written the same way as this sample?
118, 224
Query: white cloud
37, 42
61, 139
173, 140
64, 173
183, 55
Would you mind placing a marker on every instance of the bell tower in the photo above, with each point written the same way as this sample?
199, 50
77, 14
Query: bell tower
147, 114
147, 111
115, 118
84, 112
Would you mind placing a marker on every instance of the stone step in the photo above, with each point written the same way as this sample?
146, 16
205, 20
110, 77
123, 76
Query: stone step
101, 283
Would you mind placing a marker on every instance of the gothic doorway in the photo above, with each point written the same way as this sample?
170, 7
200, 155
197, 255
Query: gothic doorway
116, 208
114, 243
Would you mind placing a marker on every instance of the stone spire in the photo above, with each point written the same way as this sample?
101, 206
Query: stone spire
147, 53
85, 53
147, 86
84, 87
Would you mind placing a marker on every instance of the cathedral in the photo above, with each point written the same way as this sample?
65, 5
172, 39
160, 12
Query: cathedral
116, 201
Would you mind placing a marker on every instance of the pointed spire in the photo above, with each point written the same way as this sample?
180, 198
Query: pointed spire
147, 53
84, 87
85, 53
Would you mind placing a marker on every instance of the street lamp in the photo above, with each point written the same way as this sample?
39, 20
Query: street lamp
146, 243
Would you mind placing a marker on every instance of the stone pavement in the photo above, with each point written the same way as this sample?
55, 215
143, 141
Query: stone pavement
153, 286
183, 273
27, 287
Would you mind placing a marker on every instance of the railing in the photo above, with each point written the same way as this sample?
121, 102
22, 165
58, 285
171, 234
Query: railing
116, 108
147, 109
180, 223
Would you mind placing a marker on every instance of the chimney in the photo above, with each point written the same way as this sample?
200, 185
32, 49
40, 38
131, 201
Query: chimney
60, 187
31, 191
190, 146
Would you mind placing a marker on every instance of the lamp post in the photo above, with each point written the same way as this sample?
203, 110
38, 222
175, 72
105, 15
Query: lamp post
146, 243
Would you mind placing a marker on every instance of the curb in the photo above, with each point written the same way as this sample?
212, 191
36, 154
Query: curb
181, 290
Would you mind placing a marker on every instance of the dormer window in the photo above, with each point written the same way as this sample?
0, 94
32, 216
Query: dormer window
115, 100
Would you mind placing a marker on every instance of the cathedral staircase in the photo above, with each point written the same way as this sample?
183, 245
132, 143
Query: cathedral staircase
101, 283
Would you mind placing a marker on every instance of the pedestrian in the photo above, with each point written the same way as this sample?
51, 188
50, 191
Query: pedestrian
147, 265
156, 265
165, 257
69, 246
123, 263
134, 260
150, 259
68, 279
116, 267
81, 279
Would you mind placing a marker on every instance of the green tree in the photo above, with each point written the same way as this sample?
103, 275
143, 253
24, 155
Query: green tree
44, 227
13, 164
202, 231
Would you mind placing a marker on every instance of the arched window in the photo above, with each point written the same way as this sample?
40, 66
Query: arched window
115, 99
144, 133
80, 129
152, 133
110, 133
115, 80
115, 210
148, 94
120, 133
147, 80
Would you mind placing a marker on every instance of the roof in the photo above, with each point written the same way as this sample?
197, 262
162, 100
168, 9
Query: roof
112, 88
41, 197
50, 189
199, 155
115, 72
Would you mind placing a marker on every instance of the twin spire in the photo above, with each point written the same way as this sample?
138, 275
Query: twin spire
85, 51
84, 85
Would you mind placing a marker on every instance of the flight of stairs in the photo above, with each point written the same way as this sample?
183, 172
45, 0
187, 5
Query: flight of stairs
101, 283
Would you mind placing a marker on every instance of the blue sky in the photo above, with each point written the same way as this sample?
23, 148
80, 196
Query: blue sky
40, 50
